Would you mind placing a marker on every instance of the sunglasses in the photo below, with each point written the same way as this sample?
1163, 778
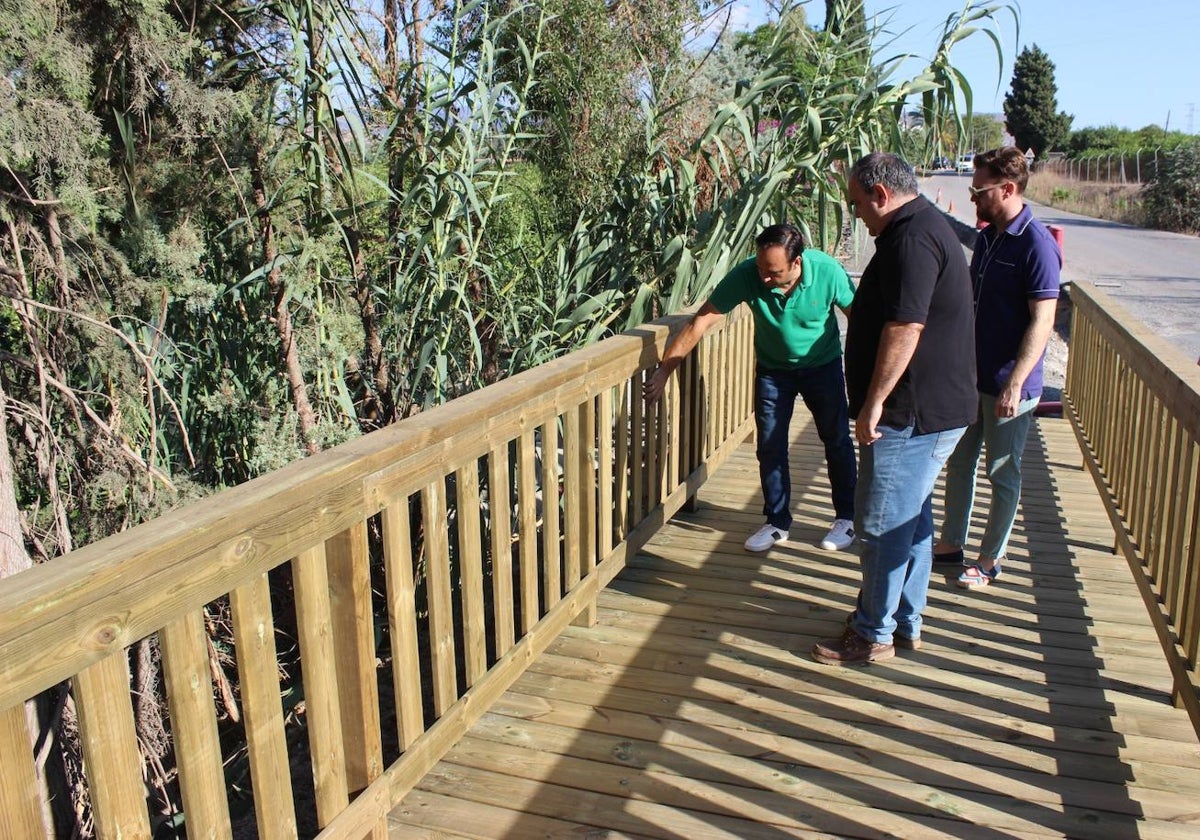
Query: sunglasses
974, 191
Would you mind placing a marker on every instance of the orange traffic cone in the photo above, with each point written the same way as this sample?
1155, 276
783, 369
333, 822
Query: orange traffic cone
938, 199
950, 209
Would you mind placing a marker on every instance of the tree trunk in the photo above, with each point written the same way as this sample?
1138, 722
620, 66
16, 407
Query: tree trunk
13, 556
379, 409
57, 814
281, 316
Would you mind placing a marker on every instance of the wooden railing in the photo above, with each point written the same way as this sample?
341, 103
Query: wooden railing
479, 529
1134, 401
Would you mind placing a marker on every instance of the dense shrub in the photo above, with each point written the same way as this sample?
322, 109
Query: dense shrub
1172, 199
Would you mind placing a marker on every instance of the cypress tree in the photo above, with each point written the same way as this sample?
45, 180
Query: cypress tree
1031, 108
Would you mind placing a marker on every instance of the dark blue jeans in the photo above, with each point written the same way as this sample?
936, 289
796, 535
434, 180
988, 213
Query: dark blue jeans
824, 392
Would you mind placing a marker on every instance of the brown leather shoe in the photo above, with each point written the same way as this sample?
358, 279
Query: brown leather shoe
851, 649
899, 641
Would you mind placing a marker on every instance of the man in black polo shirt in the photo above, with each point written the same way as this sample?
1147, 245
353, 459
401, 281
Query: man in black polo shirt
910, 373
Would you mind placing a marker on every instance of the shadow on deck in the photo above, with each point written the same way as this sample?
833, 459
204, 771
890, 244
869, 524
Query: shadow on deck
1039, 707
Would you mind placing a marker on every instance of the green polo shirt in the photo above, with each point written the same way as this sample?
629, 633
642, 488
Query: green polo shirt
798, 330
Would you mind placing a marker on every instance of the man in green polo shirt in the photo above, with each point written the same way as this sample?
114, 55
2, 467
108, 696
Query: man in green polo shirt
792, 293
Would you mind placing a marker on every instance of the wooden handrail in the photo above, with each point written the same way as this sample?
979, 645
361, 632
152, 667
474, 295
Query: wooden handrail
509, 509
1134, 401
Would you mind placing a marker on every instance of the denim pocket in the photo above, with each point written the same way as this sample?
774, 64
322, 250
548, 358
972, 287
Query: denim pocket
944, 446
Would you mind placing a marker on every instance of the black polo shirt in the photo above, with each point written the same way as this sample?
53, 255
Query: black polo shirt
918, 275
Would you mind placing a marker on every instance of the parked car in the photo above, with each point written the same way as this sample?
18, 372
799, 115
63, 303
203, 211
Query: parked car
966, 163
941, 163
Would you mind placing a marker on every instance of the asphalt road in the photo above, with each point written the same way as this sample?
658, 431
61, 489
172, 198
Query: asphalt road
1153, 275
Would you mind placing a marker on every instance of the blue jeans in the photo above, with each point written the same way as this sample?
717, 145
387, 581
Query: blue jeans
824, 392
895, 525
1004, 440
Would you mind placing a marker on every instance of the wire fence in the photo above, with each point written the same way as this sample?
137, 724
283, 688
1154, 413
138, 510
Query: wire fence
1134, 167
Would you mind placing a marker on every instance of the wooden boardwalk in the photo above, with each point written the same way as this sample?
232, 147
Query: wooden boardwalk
1036, 708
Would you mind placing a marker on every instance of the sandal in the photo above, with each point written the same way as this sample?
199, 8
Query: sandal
976, 576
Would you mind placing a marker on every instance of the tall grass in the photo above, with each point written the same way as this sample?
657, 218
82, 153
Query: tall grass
1100, 200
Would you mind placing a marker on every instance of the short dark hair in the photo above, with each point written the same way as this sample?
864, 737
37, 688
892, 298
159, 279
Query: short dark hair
1007, 162
785, 235
885, 168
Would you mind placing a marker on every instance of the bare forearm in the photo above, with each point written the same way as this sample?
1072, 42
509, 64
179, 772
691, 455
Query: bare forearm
678, 348
897, 344
683, 343
896, 347
1033, 342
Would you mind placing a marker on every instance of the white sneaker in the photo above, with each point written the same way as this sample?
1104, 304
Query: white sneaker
765, 537
840, 535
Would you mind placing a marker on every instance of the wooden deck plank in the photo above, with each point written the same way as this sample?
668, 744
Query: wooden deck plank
1038, 707
930, 788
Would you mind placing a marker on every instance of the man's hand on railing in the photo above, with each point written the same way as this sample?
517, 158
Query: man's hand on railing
656, 384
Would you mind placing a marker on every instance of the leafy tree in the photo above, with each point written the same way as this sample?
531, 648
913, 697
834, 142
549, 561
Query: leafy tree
986, 131
239, 231
599, 62
1031, 107
786, 43
1110, 138
777, 148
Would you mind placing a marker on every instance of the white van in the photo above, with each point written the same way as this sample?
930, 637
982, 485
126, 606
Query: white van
966, 163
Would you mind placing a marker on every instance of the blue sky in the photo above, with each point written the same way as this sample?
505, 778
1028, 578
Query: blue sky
1116, 62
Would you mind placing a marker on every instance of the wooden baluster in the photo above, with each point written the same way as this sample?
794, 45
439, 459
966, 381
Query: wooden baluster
686, 459
621, 492
744, 367
470, 569
668, 439
604, 482
314, 620
348, 561
652, 481
708, 393
20, 794
189, 687
1120, 431
1178, 504
1189, 608
1139, 466
551, 550
258, 675
441, 607
527, 529
721, 395
110, 750
402, 621
586, 460
637, 467
1159, 475
500, 498
572, 498
587, 467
